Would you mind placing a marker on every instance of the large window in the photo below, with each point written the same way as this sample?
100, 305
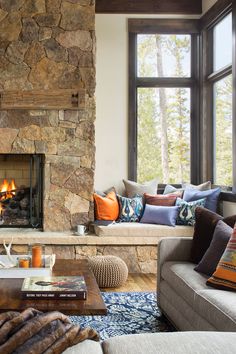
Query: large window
163, 129
220, 83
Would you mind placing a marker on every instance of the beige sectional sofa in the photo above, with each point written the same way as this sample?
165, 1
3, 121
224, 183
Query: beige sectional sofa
184, 296
206, 316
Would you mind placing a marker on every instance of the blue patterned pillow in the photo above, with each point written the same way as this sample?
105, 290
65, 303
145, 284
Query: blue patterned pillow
187, 211
130, 208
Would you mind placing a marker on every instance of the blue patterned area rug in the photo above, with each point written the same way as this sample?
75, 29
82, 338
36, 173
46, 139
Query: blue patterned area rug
128, 313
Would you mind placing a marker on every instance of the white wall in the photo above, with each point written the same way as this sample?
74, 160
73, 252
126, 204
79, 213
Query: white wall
206, 4
112, 99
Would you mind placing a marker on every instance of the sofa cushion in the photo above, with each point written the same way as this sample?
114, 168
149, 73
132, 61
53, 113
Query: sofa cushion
204, 229
217, 307
225, 275
85, 347
182, 277
210, 260
141, 230
177, 342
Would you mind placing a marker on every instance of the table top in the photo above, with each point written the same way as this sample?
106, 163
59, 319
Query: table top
10, 291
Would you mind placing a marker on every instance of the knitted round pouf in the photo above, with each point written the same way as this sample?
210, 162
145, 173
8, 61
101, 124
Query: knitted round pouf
109, 271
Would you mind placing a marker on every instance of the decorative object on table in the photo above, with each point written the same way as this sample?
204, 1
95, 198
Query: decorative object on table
131, 209
20, 266
37, 251
128, 313
187, 211
23, 261
66, 287
109, 271
11, 261
25, 332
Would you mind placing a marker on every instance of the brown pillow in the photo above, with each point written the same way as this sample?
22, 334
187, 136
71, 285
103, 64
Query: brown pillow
230, 220
206, 221
160, 199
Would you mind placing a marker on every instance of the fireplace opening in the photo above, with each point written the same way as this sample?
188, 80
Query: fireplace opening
21, 190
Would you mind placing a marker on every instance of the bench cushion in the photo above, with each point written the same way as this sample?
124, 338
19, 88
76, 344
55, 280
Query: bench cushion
138, 229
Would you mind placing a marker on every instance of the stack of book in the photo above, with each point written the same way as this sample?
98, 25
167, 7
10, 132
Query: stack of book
65, 287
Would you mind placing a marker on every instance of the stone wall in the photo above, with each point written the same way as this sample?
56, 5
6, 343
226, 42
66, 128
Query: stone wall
139, 259
47, 45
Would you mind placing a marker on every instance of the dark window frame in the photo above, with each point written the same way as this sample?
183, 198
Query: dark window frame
207, 23
212, 77
157, 26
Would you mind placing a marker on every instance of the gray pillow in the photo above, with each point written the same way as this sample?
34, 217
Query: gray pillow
201, 187
133, 188
169, 189
211, 258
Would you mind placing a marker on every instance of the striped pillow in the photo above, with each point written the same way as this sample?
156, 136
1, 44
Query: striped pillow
225, 275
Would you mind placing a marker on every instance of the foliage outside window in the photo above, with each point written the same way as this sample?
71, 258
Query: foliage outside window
221, 85
163, 113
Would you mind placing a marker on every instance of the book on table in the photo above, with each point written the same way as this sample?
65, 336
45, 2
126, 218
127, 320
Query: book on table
66, 287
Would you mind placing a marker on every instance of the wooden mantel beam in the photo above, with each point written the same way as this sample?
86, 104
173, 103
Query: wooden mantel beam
149, 6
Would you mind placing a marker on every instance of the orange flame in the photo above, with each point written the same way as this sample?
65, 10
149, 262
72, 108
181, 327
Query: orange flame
7, 189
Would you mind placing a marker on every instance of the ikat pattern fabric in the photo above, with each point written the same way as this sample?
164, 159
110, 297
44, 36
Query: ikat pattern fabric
131, 209
225, 275
187, 211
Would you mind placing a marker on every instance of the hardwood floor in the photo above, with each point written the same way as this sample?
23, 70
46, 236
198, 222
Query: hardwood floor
136, 282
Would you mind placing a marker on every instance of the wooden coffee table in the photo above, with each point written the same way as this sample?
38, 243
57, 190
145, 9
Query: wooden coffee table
10, 293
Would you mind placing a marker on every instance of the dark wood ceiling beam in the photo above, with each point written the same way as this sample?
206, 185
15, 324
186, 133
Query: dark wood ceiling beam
149, 6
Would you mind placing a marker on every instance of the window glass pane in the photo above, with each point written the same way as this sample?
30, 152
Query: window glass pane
164, 55
223, 43
163, 134
223, 131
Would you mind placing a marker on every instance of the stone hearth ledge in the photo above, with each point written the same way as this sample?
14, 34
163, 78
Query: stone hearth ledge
67, 238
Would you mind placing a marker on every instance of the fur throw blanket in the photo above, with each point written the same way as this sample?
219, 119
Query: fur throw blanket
34, 332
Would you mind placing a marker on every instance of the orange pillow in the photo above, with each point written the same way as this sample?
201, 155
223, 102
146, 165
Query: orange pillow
106, 208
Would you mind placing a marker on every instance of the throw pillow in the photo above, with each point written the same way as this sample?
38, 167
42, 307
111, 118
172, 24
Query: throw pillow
169, 189
187, 211
211, 196
134, 188
204, 229
163, 215
211, 258
230, 220
130, 208
160, 199
106, 208
225, 275
103, 194
201, 187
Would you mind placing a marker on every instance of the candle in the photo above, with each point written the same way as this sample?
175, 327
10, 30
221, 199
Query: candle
36, 256
24, 262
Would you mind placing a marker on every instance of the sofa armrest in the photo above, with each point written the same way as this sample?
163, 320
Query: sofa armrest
172, 249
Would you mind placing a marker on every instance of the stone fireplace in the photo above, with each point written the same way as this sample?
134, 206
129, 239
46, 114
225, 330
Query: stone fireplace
21, 190
48, 46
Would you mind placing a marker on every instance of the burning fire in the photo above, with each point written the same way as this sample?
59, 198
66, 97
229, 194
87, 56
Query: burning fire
7, 189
